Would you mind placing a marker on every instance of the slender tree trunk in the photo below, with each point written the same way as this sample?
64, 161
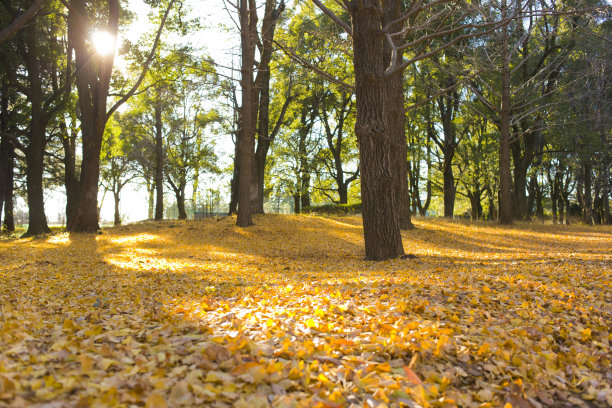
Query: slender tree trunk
505, 199
233, 205
180, 204
159, 164
296, 203
4, 145
396, 121
35, 151
531, 199
71, 179
380, 213
262, 87
305, 193
587, 201
117, 213
151, 198
9, 220
448, 186
492, 214
566, 201
247, 134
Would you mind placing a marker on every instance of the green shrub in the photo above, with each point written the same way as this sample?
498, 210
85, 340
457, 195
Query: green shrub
333, 209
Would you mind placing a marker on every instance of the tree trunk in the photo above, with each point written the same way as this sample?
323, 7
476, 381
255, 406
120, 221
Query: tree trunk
248, 25
566, 201
151, 198
492, 214
343, 193
380, 213
505, 203
233, 205
262, 87
296, 203
396, 121
117, 214
448, 186
9, 220
305, 191
587, 201
71, 179
180, 204
35, 151
159, 164
93, 75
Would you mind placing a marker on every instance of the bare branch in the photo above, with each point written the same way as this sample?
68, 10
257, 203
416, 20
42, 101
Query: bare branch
291, 54
146, 65
19, 22
334, 17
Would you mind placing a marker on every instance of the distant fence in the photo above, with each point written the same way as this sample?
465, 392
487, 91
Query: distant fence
199, 215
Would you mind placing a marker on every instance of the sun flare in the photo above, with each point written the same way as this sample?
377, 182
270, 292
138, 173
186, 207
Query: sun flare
103, 42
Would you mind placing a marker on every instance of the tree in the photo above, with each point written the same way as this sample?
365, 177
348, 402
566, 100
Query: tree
116, 166
93, 80
375, 36
42, 53
186, 151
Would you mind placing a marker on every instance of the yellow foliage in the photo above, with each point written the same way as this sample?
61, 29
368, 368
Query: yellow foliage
287, 313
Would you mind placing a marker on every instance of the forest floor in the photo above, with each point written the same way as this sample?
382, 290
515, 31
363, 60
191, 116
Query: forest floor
288, 313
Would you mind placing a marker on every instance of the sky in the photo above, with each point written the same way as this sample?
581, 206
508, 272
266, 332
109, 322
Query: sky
217, 43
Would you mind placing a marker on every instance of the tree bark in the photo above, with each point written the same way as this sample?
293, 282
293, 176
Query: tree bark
262, 88
396, 120
159, 164
587, 201
93, 83
180, 204
117, 213
505, 203
8, 192
380, 213
248, 25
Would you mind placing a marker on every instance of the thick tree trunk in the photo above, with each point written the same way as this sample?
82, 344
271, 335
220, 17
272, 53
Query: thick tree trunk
93, 75
505, 199
159, 164
380, 214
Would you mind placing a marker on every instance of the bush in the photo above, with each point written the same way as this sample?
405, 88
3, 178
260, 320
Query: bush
333, 209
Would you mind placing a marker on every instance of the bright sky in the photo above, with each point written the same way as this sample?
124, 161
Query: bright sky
220, 45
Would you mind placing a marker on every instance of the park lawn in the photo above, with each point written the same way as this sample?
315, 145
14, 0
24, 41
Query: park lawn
288, 313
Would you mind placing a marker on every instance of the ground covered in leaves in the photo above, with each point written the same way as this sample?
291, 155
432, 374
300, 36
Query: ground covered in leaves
288, 314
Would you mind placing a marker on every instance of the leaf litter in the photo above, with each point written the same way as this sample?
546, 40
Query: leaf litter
288, 314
